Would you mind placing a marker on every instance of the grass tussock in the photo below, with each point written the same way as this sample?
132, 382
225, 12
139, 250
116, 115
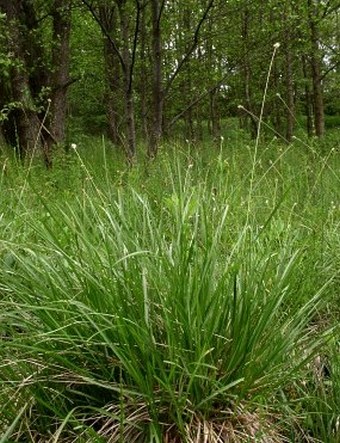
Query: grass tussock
188, 301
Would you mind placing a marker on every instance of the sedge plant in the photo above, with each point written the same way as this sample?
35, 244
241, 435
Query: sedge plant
127, 320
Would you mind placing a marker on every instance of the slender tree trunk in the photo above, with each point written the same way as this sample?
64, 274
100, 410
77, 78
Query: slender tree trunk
131, 134
188, 116
318, 102
214, 122
247, 74
113, 76
199, 124
289, 84
144, 75
127, 73
319, 119
308, 99
187, 84
112, 113
157, 91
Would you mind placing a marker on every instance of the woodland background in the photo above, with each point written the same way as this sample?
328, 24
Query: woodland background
151, 69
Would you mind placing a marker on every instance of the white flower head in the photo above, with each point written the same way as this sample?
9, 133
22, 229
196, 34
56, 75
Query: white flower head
276, 45
73, 146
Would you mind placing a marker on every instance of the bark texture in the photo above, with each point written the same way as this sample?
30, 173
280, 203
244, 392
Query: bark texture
35, 125
24, 116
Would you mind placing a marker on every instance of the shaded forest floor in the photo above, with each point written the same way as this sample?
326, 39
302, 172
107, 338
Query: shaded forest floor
191, 299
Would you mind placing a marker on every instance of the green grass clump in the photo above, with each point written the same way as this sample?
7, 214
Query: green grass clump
186, 300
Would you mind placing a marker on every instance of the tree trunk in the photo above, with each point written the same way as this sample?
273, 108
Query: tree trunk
289, 83
144, 75
308, 99
128, 92
187, 83
188, 116
25, 116
36, 129
318, 102
126, 57
247, 75
157, 91
34, 51
113, 76
214, 122
60, 79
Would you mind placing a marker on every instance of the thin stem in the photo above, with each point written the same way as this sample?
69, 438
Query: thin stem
251, 188
276, 46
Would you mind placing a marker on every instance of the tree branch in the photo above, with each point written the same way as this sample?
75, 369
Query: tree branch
336, 64
105, 32
191, 49
220, 82
66, 84
161, 9
195, 101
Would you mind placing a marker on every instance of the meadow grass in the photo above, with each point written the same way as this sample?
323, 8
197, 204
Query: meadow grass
194, 298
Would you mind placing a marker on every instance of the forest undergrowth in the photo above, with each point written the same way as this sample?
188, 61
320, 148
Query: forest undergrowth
191, 299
